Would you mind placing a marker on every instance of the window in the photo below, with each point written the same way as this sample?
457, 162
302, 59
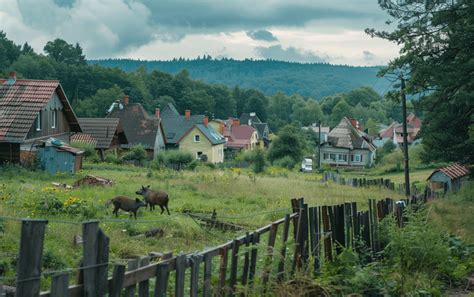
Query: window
197, 138
198, 154
342, 157
356, 158
325, 156
220, 152
38, 121
332, 157
54, 118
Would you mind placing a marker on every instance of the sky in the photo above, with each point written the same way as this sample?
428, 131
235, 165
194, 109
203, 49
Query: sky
304, 31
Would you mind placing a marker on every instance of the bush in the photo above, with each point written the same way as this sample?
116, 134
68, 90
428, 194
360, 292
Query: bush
285, 162
256, 158
112, 158
136, 153
88, 149
170, 157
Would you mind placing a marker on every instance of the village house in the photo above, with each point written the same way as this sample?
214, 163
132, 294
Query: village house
192, 133
347, 146
32, 111
101, 133
263, 130
449, 178
139, 127
240, 137
394, 132
315, 129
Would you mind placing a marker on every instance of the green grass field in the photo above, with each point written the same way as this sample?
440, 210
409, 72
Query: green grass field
238, 197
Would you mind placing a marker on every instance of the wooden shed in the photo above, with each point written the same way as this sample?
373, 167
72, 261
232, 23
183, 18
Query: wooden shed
56, 156
450, 178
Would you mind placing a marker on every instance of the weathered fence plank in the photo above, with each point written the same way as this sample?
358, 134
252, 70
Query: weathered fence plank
59, 285
31, 253
144, 286
116, 284
130, 290
281, 264
194, 286
233, 264
222, 270
162, 277
180, 273
207, 291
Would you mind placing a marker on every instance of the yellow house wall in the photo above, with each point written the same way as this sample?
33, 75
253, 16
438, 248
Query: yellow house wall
204, 146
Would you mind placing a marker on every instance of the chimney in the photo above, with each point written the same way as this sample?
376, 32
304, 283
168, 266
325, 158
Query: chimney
125, 100
235, 122
187, 114
221, 128
355, 123
12, 78
205, 121
157, 112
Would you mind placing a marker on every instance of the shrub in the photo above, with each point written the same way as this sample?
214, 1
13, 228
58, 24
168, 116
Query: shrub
88, 149
136, 153
112, 158
173, 157
285, 162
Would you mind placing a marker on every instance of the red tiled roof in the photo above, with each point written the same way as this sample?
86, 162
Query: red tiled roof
453, 171
414, 121
84, 138
20, 103
242, 132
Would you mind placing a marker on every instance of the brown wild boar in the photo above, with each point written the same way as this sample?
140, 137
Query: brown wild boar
127, 204
153, 198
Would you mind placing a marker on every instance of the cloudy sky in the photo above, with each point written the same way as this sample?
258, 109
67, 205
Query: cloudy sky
290, 30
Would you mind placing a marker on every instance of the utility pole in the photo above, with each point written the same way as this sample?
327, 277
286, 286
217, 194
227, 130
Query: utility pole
405, 137
319, 145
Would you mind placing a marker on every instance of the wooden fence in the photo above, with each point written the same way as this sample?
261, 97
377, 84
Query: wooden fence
307, 235
380, 182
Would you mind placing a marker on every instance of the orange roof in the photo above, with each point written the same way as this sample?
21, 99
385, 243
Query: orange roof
453, 171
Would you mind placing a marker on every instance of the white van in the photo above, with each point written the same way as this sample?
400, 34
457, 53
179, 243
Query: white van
306, 165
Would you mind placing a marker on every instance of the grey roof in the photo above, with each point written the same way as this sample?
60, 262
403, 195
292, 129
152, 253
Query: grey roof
245, 117
138, 125
262, 129
176, 126
347, 136
211, 134
103, 130
169, 110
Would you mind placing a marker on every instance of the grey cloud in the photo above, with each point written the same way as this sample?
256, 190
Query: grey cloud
113, 27
277, 52
368, 56
262, 35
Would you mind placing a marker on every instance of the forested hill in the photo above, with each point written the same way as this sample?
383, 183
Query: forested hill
268, 76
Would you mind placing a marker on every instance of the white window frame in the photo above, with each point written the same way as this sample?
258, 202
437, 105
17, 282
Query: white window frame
342, 157
197, 138
198, 156
54, 118
38, 121
357, 158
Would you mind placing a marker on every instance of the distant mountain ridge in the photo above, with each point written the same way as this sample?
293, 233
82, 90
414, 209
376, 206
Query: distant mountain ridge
269, 76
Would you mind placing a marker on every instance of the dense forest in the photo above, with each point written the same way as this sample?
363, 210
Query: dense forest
314, 80
92, 88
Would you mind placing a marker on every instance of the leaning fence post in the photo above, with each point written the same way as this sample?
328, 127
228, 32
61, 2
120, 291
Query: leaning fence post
144, 286
31, 252
117, 280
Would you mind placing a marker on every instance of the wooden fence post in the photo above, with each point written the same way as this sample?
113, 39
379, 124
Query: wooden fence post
144, 286
180, 273
31, 253
253, 256
162, 276
195, 262
130, 290
245, 269
281, 265
233, 264
117, 280
222, 271
327, 234
207, 292
314, 231
95, 259
270, 251
59, 285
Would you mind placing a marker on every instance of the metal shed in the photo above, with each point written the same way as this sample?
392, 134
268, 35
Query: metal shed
56, 156
449, 178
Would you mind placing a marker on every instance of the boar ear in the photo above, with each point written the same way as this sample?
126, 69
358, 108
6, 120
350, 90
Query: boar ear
148, 186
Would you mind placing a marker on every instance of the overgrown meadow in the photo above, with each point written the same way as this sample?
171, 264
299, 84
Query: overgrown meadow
238, 196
